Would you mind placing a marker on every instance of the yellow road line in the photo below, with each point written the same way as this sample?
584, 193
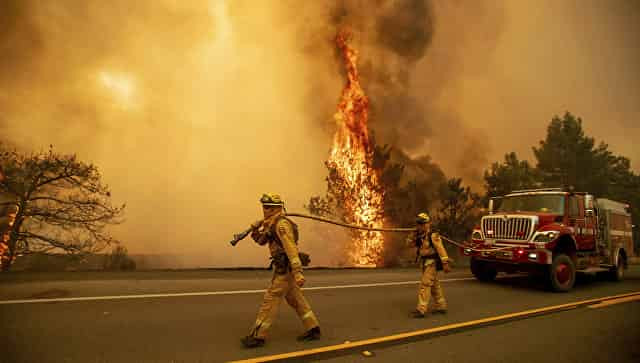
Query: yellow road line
614, 301
431, 331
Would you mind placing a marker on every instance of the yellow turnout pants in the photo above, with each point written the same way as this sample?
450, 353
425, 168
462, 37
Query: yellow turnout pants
282, 286
430, 285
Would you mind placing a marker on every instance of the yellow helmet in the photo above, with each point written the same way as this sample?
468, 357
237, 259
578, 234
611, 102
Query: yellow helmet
271, 199
423, 218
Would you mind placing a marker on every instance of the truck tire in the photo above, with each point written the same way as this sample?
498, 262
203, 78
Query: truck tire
482, 270
561, 275
617, 273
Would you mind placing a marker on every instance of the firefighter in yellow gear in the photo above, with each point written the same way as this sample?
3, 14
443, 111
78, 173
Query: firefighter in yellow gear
280, 234
432, 257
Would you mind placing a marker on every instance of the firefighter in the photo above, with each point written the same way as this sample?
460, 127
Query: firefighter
432, 257
280, 234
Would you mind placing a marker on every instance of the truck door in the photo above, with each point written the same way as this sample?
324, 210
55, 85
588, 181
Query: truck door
584, 238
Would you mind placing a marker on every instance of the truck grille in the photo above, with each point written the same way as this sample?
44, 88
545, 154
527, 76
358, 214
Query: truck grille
511, 228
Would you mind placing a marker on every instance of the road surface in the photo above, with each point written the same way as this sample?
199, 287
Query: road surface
199, 316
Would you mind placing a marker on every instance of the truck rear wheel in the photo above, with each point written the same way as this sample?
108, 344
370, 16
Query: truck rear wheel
482, 270
561, 275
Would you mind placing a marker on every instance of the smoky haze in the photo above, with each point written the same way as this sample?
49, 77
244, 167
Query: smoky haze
193, 110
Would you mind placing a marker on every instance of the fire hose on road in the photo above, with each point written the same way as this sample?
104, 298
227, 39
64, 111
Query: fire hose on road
238, 237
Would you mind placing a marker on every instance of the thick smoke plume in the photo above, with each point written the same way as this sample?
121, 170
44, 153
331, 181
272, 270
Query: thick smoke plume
411, 54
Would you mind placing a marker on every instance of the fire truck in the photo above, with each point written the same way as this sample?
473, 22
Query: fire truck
553, 233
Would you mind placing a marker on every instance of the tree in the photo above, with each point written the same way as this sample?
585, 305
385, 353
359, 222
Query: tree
512, 174
569, 158
410, 185
459, 211
119, 260
63, 205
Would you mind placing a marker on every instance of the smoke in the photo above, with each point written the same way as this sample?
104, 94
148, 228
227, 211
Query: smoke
411, 53
190, 110
193, 109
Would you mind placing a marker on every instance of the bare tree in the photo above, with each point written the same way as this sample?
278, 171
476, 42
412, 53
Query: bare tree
63, 205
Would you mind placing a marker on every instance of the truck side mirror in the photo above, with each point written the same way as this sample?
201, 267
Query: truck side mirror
588, 202
490, 206
588, 205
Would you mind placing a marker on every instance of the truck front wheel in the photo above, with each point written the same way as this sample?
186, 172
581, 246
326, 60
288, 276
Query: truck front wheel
561, 275
617, 273
482, 270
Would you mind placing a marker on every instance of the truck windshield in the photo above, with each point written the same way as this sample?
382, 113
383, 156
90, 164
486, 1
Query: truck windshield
533, 203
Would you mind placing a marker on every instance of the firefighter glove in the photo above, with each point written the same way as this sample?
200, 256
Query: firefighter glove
299, 278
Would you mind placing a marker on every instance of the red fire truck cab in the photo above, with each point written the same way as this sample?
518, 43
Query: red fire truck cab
554, 233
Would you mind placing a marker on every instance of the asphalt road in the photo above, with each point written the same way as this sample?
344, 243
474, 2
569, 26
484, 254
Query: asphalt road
207, 328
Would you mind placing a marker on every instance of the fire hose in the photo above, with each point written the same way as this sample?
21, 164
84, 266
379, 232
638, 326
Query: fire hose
353, 226
238, 237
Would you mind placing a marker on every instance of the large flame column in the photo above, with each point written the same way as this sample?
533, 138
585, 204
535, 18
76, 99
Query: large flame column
354, 182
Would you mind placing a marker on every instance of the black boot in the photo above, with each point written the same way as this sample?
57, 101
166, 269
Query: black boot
417, 314
439, 311
252, 342
311, 334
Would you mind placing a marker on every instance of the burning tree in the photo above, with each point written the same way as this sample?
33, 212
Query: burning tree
63, 205
354, 193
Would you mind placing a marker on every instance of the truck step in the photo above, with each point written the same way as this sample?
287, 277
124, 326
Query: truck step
592, 270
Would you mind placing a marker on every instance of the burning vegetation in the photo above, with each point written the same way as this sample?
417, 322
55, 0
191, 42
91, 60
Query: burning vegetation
354, 191
373, 185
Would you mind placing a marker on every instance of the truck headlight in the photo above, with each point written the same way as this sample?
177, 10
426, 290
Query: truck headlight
476, 235
545, 236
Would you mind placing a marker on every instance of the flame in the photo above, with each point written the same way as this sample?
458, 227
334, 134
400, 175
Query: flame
5, 237
355, 182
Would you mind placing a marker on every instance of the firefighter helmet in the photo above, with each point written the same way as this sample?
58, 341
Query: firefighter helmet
271, 199
423, 218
